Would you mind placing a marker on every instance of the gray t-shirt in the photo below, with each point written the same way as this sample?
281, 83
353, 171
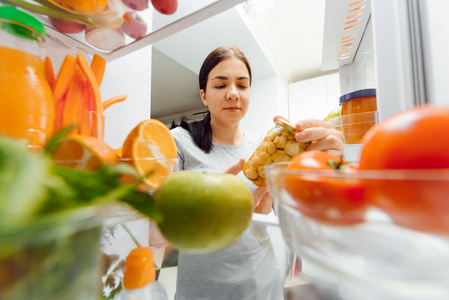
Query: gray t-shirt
245, 270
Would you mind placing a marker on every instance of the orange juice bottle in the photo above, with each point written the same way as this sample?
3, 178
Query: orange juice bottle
26, 100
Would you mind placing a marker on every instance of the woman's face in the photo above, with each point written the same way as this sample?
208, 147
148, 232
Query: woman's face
227, 92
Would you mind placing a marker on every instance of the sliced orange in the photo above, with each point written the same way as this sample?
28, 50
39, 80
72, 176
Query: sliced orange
151, 149
83, 152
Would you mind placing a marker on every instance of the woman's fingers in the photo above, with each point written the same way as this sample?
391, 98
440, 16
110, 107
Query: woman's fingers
263, 202
235, 168
279, 117
311, 123
321, 134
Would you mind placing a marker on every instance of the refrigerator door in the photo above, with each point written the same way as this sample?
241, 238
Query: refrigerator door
434, 30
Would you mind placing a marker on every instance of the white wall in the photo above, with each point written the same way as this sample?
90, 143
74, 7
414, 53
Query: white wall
313, 98
269, 97
130, 74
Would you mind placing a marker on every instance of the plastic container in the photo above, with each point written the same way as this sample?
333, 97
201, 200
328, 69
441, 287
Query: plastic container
357, 114
26, 100
279, 145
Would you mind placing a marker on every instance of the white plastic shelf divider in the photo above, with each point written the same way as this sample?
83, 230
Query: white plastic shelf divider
345, 23
206, 10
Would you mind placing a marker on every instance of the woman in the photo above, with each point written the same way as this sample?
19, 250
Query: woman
246, 269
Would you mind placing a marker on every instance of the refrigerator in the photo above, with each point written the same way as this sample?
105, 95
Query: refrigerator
399, 48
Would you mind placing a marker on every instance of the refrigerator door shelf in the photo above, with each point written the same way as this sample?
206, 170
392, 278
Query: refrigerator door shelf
345, 23
159, 26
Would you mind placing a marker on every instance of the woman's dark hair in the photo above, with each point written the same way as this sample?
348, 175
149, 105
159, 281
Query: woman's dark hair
201, 131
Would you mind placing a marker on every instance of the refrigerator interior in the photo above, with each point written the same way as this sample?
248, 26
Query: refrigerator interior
399, 48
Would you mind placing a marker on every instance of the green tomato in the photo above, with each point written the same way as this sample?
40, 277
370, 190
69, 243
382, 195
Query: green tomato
203, 212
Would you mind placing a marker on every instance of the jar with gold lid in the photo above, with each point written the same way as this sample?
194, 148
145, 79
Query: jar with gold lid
278, 145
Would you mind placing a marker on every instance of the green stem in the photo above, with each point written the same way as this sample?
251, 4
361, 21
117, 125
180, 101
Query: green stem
131, 235
136, 241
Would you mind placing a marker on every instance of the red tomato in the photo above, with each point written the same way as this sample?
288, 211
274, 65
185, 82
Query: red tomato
417, 138
328, 195
166, 7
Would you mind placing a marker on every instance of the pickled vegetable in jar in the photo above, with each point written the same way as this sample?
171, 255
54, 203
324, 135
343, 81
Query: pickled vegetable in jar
358, 114
279, 145
26, 99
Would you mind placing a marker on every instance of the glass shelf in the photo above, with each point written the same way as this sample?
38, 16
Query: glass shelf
159, 25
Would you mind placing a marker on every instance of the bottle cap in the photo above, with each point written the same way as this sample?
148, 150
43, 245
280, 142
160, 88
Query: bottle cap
286, 125
357, 94
13, 14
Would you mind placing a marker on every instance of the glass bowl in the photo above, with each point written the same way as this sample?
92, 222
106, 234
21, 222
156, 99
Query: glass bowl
52, 258
384, 232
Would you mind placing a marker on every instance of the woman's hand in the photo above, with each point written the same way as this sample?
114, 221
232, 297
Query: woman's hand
235, 168
321, 134
263, 202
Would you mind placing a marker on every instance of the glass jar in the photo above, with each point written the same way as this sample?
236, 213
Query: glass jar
358, 114
26, 99
279, 145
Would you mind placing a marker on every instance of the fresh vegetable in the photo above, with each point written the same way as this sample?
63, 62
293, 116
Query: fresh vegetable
52, 188
134, 26
136, 4
114, 100
417, 142
325, 189
51, 219
77, 95
139, 268
92, 82
49, 73
65, 26
166, 7
73, 99
413, 139
23, 181
98, 66
65, 75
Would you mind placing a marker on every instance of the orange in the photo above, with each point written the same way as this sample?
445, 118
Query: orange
83, 152
151, 149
